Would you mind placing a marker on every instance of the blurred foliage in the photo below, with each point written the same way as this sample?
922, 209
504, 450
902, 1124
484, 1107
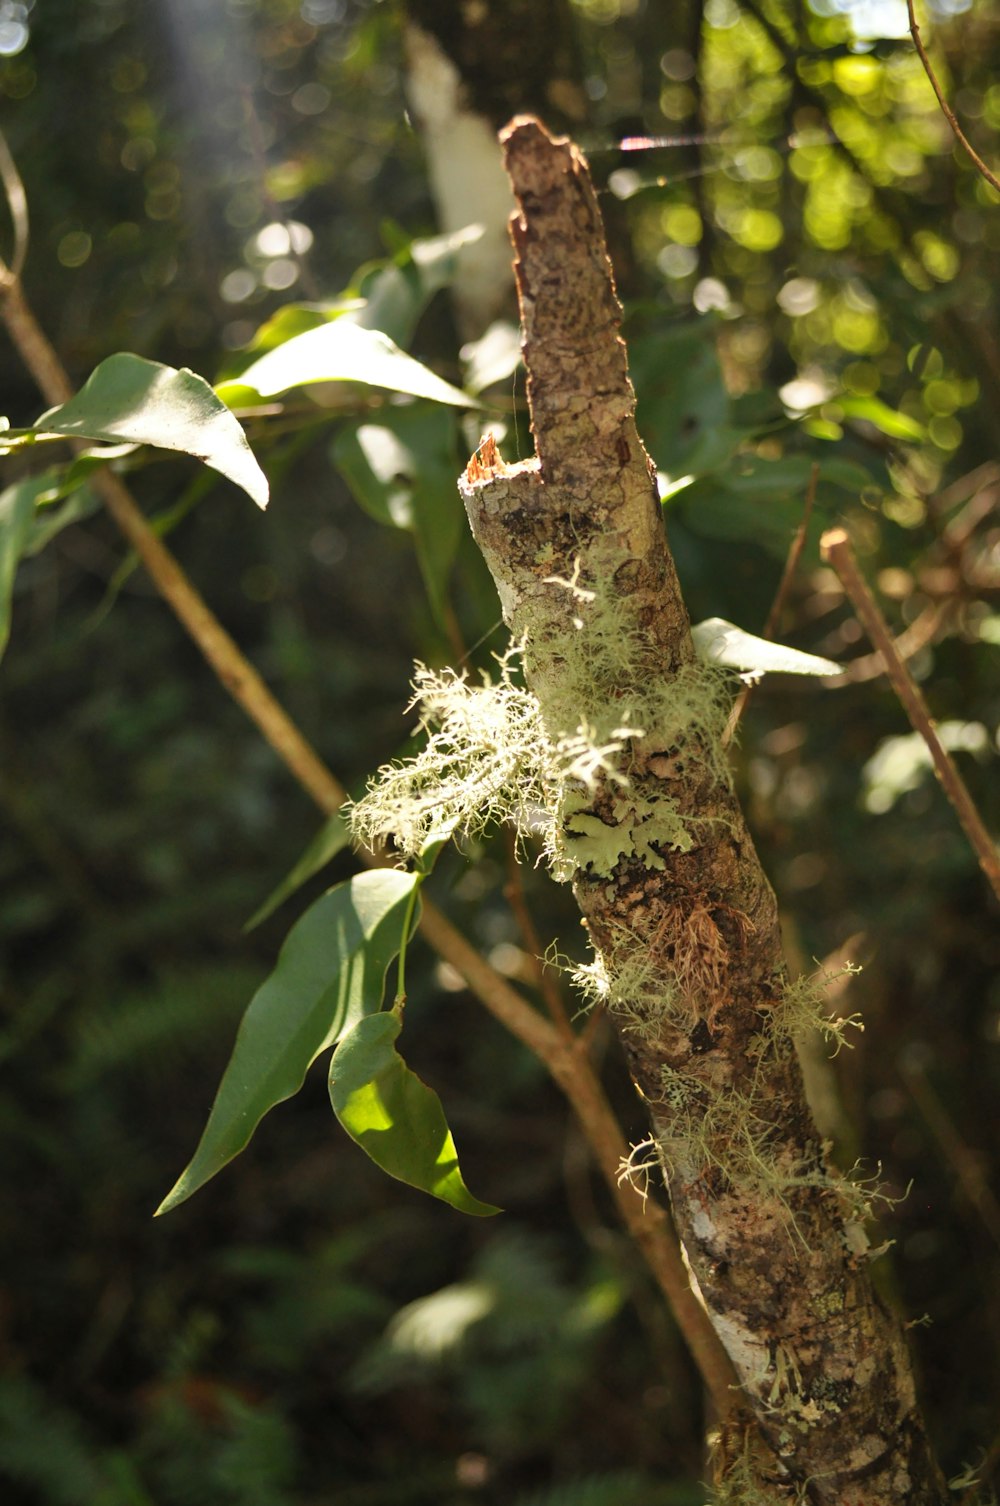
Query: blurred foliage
820, 292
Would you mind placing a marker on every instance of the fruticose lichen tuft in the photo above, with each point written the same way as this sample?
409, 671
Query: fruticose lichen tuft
803, 1008
493, 754
487, 758
742, 1483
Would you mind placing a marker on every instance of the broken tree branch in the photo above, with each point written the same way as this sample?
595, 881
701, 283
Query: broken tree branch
683, 922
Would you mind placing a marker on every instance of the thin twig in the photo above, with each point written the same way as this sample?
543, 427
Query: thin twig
835, 548
17, 203
946, 109
965, 1163
780, 597
648, 1224
923, 630
542, 971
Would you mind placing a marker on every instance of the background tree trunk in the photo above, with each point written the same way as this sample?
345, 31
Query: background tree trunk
469, 69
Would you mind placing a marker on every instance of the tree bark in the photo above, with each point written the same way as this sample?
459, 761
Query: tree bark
682, 919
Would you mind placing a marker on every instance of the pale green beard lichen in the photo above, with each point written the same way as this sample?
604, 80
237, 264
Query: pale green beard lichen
636, 989
671, 976
595, 665
488, 758
742, 1484
724, 1129
803, 1008
493, 754
730, 1128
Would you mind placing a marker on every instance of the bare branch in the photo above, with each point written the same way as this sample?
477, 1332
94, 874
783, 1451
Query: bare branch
836, 549
17, 203
780, 597
946, 109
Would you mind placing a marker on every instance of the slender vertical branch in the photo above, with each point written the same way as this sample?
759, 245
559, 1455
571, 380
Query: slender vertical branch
946, 109
780, 597
836, 549
544, 975
969, 1166
649, 1226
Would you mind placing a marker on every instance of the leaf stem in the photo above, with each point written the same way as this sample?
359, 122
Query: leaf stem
411, 905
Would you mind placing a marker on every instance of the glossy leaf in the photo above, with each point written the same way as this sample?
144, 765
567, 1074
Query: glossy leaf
721, 642
330, 974
294, 319
333, 836
130, 400
389, 295
402, 471
342, 351
393, 294
493, 358
395, 1118
683, 409
49, 522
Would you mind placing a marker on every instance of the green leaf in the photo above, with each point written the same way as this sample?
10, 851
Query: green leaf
331, 973
493, 358
710, 509
294, 319
80, 504
17, 511
333, 836
755, 476
389, 295
395, 1118
762, 500
402, 470
395, 293
29, 518
683, 410
888, 420
131, 400
343, 352
721, 642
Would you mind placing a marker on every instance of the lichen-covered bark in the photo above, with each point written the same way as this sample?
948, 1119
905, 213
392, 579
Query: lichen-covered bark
680, 913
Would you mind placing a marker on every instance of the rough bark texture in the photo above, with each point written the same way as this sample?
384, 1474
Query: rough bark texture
678, 908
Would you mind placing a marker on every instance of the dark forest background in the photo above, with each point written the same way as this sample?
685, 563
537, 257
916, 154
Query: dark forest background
814, 282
